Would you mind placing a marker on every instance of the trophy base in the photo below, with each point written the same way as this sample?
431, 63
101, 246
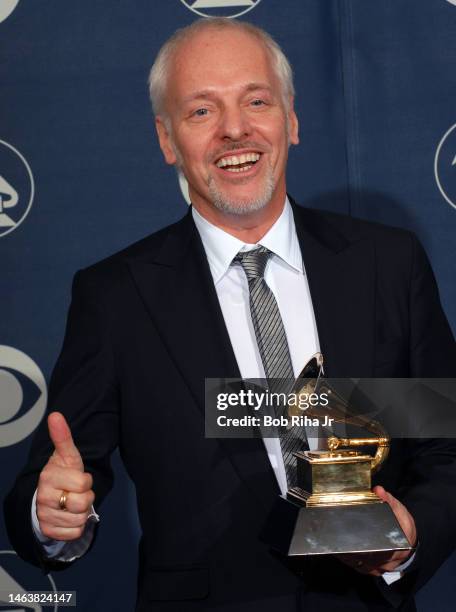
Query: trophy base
305, 498
294, 530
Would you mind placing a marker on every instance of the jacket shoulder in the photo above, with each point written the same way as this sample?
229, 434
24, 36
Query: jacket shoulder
338, 231
112, 268
352, 228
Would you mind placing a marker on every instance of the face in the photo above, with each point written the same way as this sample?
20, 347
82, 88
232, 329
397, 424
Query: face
228, 128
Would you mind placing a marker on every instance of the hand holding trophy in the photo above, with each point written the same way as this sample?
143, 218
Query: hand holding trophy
332, 509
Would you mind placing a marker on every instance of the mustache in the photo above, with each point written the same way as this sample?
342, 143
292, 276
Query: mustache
237, 146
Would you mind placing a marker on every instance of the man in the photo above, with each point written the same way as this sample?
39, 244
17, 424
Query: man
148, 325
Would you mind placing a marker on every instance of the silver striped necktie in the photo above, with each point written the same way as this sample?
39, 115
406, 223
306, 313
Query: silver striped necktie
272, 344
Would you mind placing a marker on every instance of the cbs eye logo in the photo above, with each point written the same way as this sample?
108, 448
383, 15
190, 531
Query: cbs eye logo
19, 577
220, 8
445, 166
6, 8
23, 395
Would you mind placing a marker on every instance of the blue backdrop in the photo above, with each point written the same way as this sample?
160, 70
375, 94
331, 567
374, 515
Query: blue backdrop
81, 176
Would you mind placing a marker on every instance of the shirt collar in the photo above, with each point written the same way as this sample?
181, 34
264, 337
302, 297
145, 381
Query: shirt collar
222, 247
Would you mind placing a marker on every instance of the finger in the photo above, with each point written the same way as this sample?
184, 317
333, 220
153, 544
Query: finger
395, 504
395, 561
367, 568
61, 518
78, 503
61, 533
62, 439
368, 563
378, 559
389, 567
361, 566
54, 480
368, 571
75, 502
404, 518
372, 559
374, 564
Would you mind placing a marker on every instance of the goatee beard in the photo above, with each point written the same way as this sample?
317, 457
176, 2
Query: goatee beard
242, 206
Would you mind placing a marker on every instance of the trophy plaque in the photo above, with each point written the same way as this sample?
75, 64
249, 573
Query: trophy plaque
332, 508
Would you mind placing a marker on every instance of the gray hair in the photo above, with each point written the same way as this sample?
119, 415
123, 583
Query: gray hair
159, 72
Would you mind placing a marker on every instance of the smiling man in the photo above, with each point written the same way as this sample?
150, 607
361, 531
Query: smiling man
227, 122
243, 285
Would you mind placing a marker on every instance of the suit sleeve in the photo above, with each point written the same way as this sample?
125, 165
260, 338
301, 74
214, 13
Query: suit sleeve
84, 387
428, 487
432, 345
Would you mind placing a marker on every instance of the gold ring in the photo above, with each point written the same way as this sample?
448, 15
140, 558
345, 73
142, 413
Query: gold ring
63, 500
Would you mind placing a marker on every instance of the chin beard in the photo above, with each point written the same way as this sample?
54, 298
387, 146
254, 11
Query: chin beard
242, 206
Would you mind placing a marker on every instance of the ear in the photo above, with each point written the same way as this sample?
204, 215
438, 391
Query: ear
293, 124
165, 141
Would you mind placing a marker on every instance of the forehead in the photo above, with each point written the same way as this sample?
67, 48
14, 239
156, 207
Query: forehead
219, 60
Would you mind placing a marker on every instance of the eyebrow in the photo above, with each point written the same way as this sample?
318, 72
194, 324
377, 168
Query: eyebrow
209, 93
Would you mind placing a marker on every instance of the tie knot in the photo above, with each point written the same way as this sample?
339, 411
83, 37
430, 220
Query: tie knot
254, 261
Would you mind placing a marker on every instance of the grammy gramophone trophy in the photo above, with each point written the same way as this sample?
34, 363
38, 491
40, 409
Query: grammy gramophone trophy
332, 508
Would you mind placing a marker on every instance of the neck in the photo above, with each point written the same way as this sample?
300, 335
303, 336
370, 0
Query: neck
249, 228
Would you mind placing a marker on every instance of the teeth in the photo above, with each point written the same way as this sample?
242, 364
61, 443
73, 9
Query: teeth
234, 160
239, 169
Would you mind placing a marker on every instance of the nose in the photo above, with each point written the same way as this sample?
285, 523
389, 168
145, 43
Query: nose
234, 124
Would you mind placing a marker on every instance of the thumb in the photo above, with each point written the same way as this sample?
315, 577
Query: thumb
380, 491
388, 498
65, 448
404, 518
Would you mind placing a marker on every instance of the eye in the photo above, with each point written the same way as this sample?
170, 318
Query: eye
200, 112
258, 102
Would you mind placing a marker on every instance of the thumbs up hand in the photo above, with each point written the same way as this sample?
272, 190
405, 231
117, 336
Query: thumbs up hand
64, 495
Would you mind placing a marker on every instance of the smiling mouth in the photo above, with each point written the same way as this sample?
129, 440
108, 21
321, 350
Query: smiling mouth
238, 163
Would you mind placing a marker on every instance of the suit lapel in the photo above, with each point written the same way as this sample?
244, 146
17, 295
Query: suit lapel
177, 288
342, 287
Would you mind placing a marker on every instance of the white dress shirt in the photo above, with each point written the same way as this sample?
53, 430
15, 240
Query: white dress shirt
285, 275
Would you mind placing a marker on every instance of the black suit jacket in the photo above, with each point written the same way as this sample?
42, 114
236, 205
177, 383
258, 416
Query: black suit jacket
145, 329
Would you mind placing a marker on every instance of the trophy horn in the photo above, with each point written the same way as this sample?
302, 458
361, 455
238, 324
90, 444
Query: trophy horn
311, 380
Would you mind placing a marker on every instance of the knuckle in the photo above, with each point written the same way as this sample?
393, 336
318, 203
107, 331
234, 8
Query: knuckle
44, 476
76, 521
70, 521
53, 459
79, 505
80, 483
77, 486
82, 520
47, 530
90, 499
41, 513
41, 499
